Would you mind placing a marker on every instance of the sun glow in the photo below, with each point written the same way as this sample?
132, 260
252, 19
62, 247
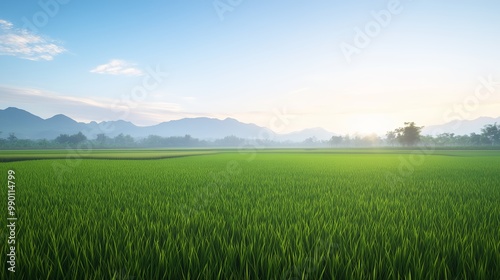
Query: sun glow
370, 123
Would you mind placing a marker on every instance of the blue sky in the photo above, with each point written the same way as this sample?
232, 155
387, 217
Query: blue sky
348, 67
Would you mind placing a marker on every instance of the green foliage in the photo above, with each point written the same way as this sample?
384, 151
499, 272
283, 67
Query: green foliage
492, 133
409, 135
71, 139
273, 215
12, 137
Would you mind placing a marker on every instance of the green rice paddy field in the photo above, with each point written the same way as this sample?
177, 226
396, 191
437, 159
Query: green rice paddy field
273, 214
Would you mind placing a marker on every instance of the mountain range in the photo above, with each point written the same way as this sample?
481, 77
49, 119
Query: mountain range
460, 127
29, 126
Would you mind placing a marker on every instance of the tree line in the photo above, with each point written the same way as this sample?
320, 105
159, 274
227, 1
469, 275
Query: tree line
407, 136
119, 141
410, 135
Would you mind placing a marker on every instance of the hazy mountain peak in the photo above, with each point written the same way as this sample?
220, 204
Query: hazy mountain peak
60, 117
11, 110
460, 127
20, 115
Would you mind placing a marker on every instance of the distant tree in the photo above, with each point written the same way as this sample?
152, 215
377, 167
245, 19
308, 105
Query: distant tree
12, 137
188, 140
129, 141
124, 140
153, 141
390, 136
492, 133
409, 135
77, 138
370, 140
101, 139
229, 141
310, 141
70, 139
346, 140
478, 139
427, 140
335, 140
446, 139
62, 139
356, 140
43, 143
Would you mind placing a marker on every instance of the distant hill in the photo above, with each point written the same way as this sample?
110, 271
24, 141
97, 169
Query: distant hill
28, 126
208, 128
463, 127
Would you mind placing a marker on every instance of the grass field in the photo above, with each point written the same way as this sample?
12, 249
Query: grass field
274, 214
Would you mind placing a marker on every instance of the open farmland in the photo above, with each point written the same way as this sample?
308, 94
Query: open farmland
283, 214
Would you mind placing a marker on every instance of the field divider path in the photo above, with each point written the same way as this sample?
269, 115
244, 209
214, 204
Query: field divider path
14, 156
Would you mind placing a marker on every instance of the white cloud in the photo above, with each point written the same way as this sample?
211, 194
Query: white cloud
5, 24
24, 44
89, 109
118, 67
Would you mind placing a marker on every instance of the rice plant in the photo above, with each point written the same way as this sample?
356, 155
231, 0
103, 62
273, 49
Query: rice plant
278, 215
